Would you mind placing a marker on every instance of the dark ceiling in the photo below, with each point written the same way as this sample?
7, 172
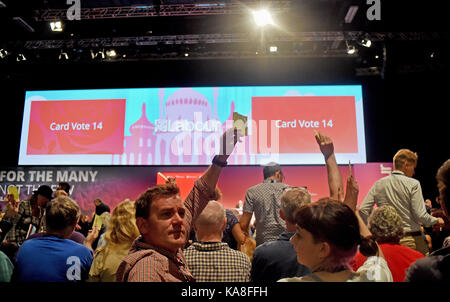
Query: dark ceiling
170, 29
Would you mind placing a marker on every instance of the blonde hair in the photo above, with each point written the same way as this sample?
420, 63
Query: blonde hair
404, 155
292, 199
106, 216
386, 225
122, 229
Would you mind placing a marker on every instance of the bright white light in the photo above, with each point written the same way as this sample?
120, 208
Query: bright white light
376, 57
262, 17
366, 42
186, 55
3, 53
63, 55
56, 26
20, 57
351, 50
111, 53
273, 48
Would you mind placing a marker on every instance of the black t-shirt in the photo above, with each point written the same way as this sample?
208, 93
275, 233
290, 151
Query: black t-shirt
100, 209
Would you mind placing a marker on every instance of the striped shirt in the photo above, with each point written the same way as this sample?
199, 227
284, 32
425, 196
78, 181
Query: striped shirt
217, 262
147, 263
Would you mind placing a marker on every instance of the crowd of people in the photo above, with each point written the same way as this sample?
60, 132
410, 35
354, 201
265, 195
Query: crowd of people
161, 238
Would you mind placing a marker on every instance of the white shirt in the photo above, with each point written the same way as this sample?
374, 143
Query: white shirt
375, 269
404, 194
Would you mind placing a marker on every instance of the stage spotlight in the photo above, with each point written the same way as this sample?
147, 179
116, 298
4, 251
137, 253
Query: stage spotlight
3, 53
273, 49
366, 42
56, 26
186, 54
20, 57
111, 53
376, 57
262, 17
63, 55
351, 49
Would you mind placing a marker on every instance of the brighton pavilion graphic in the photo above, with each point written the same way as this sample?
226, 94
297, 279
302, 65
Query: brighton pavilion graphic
186, 133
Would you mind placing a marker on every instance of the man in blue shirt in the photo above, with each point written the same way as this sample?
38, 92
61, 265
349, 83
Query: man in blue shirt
54, 257
277, 259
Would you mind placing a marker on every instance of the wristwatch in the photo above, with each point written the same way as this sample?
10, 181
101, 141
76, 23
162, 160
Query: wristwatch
217, 162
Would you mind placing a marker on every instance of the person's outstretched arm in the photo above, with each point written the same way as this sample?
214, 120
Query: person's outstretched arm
334, 175
227, 143
204, 188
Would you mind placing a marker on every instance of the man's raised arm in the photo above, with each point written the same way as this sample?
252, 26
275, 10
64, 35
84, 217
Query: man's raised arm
204, 188
227, 143
334, 175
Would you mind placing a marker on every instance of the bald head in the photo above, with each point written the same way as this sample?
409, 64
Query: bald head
211, 221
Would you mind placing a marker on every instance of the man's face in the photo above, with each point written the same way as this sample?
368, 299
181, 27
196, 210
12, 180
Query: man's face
97, 203
42, 200
166, 225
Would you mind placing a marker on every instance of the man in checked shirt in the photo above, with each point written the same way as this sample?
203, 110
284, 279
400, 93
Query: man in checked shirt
164, 222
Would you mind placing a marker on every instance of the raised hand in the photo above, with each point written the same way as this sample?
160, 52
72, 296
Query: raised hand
351, 195
229, 140
12, 205
325, 144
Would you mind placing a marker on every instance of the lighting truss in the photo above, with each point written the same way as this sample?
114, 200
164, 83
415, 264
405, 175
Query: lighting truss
220, 8
331, 36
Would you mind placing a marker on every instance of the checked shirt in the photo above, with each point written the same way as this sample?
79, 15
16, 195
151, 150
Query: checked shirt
264, 200
146, 263
21, 223
217, 262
